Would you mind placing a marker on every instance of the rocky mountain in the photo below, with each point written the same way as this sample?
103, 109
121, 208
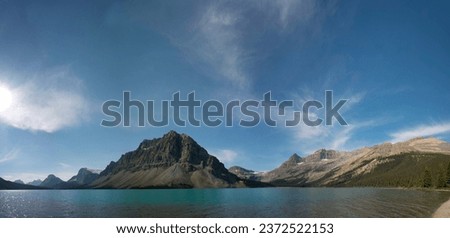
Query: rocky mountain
297, 171
174, 161
399, 164
85, 176
8, 185
19, 181
53, 182
36, 182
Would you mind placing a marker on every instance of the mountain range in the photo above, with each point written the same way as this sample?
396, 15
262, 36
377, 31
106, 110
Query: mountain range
6, 185
401, 164
178, 161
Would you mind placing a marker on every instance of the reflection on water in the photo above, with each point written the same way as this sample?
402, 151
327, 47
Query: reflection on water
261, 202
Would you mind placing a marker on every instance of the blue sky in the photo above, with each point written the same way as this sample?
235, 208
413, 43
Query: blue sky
62, 59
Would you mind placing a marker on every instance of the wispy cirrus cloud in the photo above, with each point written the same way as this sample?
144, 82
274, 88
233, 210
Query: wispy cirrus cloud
9, 156
231, 36
48, 101
309, 139
289, 11
221, 46
306, 139
421, 130
225, 39
64, 165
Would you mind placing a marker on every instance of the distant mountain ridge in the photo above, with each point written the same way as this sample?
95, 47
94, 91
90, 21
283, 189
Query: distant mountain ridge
36, 182
244, 173
82, 179
8, 185
19, 181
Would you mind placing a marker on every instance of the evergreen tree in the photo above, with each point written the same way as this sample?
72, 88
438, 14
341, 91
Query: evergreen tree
442, 179
427, 180
448, 173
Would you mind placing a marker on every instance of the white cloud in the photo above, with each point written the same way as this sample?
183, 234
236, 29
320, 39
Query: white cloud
46, 102
419, 131
290, 11
341, 138
307, 139
64, 165
308, 132
11, 155
336, 137
221, 44
229, 34
226, 156
226, 39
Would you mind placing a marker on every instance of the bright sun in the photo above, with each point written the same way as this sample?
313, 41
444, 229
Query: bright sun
5, 98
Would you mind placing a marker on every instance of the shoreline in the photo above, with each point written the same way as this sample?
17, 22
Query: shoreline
443, 211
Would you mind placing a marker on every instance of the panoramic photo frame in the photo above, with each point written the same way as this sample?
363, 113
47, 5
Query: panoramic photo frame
268, 118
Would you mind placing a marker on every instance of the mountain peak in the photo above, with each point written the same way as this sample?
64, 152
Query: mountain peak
51, 181
19, 181
323, 154
172, 135
295, 158
292, 161
427, 144
172, 160
84, 176
51, 176
36, 182
87, 170
169, 149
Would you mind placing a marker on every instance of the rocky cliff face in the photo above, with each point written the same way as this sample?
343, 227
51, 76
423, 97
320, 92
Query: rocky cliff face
175, 160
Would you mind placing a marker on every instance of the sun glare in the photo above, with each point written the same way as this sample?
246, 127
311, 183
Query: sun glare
5, 98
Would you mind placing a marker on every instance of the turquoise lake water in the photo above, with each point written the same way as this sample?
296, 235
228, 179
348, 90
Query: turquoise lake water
258, 202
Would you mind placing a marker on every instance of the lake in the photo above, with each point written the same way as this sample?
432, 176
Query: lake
256, 202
